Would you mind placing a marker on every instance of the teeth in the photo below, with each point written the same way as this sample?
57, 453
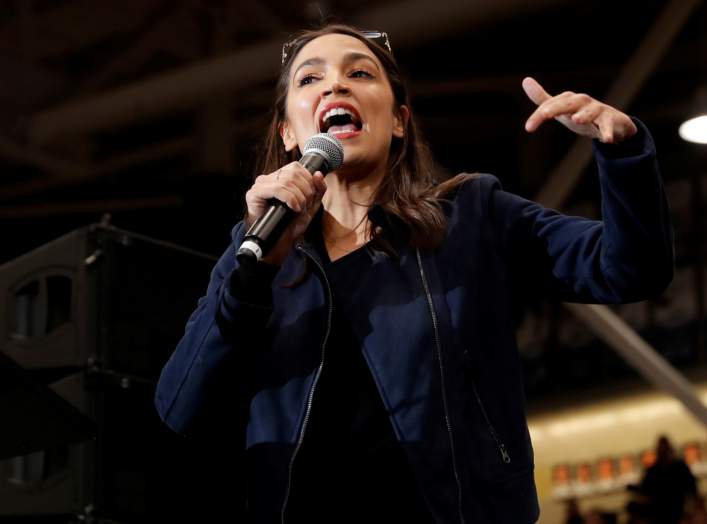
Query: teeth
338, 111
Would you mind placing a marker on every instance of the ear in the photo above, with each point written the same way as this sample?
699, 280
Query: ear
288, 137
400, 121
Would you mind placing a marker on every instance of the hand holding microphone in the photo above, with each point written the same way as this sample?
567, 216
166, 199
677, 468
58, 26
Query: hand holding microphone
281, 204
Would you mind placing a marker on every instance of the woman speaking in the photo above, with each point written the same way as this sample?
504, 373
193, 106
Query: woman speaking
369, 359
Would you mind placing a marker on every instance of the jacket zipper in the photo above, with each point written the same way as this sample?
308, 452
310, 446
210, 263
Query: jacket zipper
499, 443
310, 397
438, 346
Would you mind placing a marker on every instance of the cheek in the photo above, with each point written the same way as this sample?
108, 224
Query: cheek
301, 105
299, 115
301, 111
382, 114
382, 123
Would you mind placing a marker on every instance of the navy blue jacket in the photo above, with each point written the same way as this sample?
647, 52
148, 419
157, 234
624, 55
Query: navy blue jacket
438, 337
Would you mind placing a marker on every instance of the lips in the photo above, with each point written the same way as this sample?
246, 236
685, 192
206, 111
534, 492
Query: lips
341, 119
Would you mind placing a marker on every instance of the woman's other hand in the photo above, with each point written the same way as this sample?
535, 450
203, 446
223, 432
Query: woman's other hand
578, 112
295, 187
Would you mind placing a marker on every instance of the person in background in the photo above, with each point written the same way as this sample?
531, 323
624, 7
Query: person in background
667, 484
599, 516
637, 512
572, 515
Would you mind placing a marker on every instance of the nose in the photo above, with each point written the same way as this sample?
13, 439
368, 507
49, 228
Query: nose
336, 87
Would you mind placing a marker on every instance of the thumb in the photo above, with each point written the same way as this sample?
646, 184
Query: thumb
534, 90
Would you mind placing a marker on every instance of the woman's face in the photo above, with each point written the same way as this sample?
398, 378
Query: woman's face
337, 85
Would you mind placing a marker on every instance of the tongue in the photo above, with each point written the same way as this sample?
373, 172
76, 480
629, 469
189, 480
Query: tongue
346, 128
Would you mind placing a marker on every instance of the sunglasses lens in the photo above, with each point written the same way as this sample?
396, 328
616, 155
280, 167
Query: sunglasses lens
379, 37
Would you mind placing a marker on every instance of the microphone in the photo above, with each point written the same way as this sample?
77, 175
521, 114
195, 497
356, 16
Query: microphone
322, 152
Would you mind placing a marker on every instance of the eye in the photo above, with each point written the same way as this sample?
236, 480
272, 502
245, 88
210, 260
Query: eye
360, 73
306, 80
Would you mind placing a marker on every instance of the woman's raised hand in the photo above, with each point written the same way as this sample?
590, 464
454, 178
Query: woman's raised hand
578, 112
301, 192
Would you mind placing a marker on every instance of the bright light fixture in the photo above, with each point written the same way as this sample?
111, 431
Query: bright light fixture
694, 130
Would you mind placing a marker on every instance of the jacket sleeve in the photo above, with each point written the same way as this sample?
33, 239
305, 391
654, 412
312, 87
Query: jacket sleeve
626, 257
206, 376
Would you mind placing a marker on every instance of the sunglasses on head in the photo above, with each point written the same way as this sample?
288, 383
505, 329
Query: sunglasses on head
381, 38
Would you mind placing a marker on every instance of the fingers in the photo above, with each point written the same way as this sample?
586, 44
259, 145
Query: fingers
319, 184
316, 198
315, 191
615, 126
588, 113
292, 184
566, 103
534, 90
580, 113
605, 125
293, 196
258, 196
298, 181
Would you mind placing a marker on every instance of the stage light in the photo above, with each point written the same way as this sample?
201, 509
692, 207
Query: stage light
694, 129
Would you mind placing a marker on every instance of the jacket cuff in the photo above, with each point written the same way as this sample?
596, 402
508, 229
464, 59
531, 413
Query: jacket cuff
252, 284
245, 294
638, 145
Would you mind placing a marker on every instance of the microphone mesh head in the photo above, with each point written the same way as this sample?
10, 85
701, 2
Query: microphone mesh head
327, 146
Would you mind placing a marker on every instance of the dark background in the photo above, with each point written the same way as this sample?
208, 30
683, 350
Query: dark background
176, 166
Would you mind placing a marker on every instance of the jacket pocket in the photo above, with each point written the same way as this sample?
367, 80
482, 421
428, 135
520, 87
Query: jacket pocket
470, 369
505, 456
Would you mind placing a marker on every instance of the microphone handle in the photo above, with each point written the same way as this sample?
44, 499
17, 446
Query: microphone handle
313, 162
265, 232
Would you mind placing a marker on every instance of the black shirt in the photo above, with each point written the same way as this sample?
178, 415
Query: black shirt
351, 466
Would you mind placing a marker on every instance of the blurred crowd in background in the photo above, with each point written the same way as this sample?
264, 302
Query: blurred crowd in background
667, 494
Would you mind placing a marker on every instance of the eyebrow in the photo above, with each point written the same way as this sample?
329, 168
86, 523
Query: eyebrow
348, 58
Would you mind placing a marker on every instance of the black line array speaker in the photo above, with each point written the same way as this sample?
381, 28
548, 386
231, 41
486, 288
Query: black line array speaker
95, 315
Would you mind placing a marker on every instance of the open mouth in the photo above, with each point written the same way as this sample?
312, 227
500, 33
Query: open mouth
340, 120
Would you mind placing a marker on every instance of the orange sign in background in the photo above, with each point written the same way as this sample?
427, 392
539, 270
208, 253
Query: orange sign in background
611, 474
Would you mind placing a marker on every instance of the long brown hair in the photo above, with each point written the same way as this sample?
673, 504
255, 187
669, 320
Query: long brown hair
410, 190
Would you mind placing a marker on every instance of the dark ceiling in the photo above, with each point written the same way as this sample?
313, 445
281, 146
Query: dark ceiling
173, 160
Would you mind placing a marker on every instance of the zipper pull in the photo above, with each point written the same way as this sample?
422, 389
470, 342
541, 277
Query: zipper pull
504, 453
